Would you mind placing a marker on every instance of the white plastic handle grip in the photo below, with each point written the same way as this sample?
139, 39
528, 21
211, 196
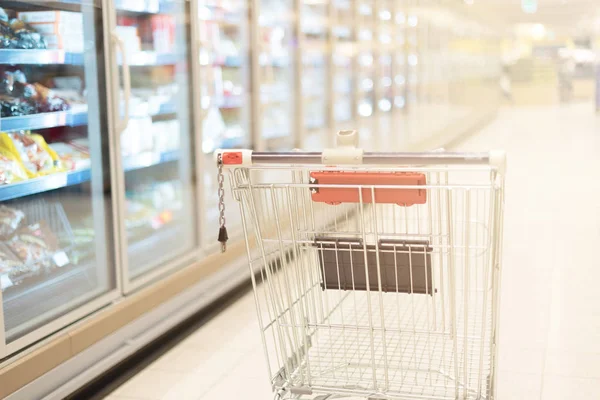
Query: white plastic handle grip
123, 122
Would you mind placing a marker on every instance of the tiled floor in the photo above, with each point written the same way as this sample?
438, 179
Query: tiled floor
550, 314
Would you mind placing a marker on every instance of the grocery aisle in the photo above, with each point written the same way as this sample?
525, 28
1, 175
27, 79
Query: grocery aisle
550, 318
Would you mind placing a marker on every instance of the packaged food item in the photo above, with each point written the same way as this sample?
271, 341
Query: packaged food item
8, 79
10, 220
71, 158
35, 154
138, 215
26, 36
14, 107
130, 37
3, 15
9, 267
11, 169
137, 137
37, 247
47, 101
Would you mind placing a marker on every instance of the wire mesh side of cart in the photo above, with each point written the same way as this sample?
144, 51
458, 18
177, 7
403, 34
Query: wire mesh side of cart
377, 300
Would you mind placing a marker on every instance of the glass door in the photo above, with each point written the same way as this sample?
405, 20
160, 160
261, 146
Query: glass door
276, 83
56, 228
412, 58
314, 77
386, 48
224, 76
151, 42
386, 129
366, 41
400, 60
344, 38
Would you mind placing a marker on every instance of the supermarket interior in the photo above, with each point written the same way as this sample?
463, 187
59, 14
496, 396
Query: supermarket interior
113, 283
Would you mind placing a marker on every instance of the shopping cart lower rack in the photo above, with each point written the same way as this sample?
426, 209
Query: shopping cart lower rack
387, 284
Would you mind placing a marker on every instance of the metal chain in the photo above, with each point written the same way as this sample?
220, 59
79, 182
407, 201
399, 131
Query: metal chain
220, 180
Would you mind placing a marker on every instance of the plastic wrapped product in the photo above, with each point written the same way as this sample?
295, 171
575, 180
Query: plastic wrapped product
37, 157
10, 220
70, 158
3, 15
35, 245
9, 267
11, 169
47, 101
27, 37
14, 107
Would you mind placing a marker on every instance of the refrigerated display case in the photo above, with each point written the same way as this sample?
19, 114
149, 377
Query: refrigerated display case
56, 197
343, 63
412, 58
366, 74
314, 42
151, 47
400, 60
385, 56
224, 76
276, 79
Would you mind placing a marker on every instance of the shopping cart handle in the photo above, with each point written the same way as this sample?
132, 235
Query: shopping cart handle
239, 158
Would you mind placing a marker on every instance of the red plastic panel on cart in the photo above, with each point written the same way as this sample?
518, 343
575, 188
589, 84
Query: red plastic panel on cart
400, 196
232, 158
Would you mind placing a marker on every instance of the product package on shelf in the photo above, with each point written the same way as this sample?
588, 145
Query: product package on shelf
70, 157
165, 136
137, 137
32, 150
11, 168
35, 239
152, 206
130, 37
18, 98
10, 220
9, 265
17, 34
158, 33
61, 30
36, 246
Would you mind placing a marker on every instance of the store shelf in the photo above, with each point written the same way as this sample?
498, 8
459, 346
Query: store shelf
151, 58
39, 57
44, 120
218, 14
43, 184
146, 6
65, 179
230, 101
76, 117
39, 5
50, 57
228, 61
146, 160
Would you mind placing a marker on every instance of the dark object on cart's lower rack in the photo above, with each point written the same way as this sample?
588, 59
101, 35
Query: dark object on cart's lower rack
405, 265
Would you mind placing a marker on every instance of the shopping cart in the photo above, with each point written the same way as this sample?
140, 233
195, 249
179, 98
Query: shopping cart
386, 279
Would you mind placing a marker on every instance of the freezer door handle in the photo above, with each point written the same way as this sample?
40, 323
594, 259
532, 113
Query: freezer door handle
123, 122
